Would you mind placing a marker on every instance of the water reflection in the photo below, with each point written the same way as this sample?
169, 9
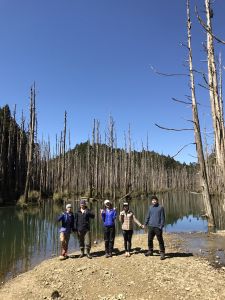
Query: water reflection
28, 237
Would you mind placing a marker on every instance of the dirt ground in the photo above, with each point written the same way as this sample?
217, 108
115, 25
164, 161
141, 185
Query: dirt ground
180, 276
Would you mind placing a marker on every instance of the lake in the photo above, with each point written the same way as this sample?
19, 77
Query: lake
30, 236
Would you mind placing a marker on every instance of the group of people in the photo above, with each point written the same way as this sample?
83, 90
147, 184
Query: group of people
80, 222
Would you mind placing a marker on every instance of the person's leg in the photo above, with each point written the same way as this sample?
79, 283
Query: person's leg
129, 238
106, 239
62, 244
112, 231
67, 238
87, 242
81, 236
151, 235
125, 240
159, 235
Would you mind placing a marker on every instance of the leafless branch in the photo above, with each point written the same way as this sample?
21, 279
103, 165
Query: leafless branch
169, 75
207, 29
205, 87
173, 129
183, 148
180, 101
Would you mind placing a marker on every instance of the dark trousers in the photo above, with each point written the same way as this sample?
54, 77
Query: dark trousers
127, 236
109, 236
84, 238
152, 231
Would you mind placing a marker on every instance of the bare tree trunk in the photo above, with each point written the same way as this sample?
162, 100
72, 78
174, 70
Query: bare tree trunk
30, 143
197, 131
217, 114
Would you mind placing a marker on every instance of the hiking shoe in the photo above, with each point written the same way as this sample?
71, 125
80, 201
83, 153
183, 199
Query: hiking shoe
162, 256
149, 253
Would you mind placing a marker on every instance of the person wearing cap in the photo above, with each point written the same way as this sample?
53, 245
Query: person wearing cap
155, 221
82, 226
67, 219
108, 215
127, 218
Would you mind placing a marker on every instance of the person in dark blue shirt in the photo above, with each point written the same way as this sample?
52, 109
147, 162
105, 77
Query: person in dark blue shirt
67, 219
108, 217
155, 221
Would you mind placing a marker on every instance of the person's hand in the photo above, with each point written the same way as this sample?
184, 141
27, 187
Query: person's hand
143, 226
101, 210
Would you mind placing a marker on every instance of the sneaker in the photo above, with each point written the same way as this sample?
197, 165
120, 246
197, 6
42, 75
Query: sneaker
89, 256
149, 253
81, 255
61, 257
110, 254
128, 254
162, 256
107, 255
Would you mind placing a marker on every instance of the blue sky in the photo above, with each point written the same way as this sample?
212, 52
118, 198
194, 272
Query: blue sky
92, 58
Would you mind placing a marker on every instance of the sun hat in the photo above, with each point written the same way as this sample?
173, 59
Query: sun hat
68, 206
107, 202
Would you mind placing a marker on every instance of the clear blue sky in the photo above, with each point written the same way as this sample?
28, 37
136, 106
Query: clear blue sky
92, 58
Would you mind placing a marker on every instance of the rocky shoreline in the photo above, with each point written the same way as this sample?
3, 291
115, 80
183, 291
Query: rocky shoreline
180, 276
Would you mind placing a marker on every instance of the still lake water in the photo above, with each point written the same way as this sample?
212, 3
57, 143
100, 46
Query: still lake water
30, 236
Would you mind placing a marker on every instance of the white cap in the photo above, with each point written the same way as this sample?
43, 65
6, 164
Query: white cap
68, 206
107, 201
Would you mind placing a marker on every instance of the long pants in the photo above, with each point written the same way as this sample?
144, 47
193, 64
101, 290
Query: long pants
64, 239
109, 236
127, 236
152, 231
84, 238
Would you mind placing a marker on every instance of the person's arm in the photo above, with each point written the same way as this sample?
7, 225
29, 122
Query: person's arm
137, 222
90, 214
72, 225
75, 221
103, 214
121, 217
147, 217
115, 214
60, 217
162, 217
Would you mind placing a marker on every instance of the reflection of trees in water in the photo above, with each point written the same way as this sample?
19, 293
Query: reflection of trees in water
219, 212
26, 236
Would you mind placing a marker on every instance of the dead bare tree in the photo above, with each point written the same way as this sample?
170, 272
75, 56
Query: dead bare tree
197, 131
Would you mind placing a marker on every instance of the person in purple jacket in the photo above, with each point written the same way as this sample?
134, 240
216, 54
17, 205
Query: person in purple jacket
108, 217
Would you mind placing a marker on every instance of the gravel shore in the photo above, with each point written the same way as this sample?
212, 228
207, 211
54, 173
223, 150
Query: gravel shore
180, 276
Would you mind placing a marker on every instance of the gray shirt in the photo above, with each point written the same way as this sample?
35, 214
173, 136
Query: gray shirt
155, 216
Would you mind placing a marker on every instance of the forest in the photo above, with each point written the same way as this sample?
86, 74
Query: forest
94, 168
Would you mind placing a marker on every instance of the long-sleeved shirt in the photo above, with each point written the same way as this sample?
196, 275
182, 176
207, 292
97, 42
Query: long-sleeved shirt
67, 220
127, 218
82, 220
109, 217
155, 216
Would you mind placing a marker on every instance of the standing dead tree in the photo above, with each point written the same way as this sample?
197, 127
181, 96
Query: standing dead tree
215, 99
197, 131
30, 149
